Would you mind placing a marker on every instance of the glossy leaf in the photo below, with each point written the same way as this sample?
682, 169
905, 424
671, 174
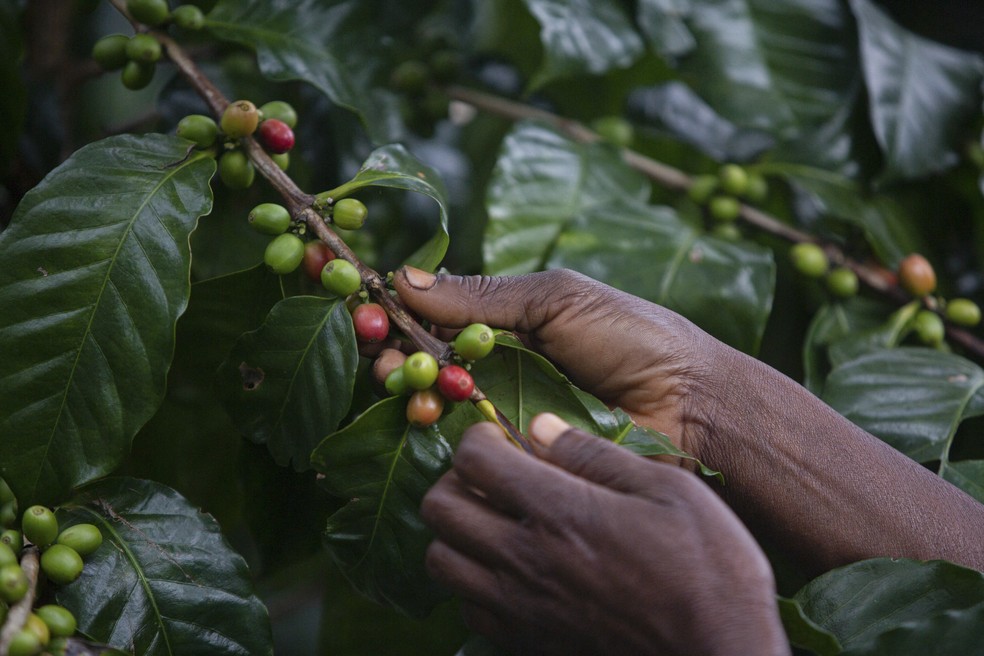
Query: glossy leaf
832, 323
95, 275
913, 398
165, 581
921, 93
582, 36
968, 475
876, 602
662, 22
290, 381
803, 632
394, 167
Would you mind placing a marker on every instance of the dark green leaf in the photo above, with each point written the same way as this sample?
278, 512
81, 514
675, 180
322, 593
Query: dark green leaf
13, 101
662, 21
394, 167
913, 398
582, 36
833, 322
867, 603
164, 582
95, 275
968, 475
803, 632
887, 334
290, 381
921, 93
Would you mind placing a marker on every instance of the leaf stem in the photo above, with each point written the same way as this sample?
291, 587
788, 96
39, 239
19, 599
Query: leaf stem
17, 614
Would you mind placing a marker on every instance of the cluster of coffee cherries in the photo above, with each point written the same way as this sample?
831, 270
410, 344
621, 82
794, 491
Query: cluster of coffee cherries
48, 626
427, 383
273, 123
721, 196
136, 57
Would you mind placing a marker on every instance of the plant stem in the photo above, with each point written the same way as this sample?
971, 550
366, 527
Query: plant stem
17, 614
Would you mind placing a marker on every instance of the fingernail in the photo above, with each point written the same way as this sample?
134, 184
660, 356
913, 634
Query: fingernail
418, 278
547, 427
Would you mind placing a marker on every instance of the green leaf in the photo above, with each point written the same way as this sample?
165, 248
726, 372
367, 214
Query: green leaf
290, 381
13, 101
394, 167
95, 274
868, 603
297, 41
662, 22
165, 581
913, 398
968, 475
582, 36
803, 632
832, 323
922, 94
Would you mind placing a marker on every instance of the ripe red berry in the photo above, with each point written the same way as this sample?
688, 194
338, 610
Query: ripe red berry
424, 407
276, 136
316, 256
455, 383
371, 323
916, 275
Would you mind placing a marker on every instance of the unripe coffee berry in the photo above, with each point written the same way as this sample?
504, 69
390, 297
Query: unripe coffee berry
615, 130
61, 564
929, 328
269, 219
455, 383
37, 626
143, 48
727, 231
410, 76
110, 52
13, 583
188, 17
424, 407
842, 282
724, 208
371, 323
60, 621
420, 370
13, 539
474, 342
316, 256
235, 170
7, 555
8, 513
734, 179
239, 119
809, 259
149, 12
84, 538
137, 75
6, 494
24, 643
39, 526
396, 383
963, 312
349, 214
702, 188
916, 275
198, 128
341, 278
758, 188
284, 253
388, 360
281, 111
282, 160
276, 136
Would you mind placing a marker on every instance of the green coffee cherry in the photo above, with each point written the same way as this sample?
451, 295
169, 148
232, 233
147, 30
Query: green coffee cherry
37, 626
281, 111
809, 259
137, 75
724, 208
61, 564
758, 188
963, 312
110, 52
341, 278
39, 526
148, 12
6, 494
615, 130
396, 383
734, 179
284, 253
420, 370
702, 188
842, 282
282, 160
7, 555
445, 65
143, 48
727, 232
84, 538
235, 169
474, 342
8, 513
188, 17
24, 643
12, 538
929, 328
13, 583
410, 76
198, 128
60, 621
269, 218
239, 119
349, 214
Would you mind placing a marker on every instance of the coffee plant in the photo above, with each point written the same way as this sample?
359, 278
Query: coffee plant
201, 205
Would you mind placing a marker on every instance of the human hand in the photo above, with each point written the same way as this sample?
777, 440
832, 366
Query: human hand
589, 549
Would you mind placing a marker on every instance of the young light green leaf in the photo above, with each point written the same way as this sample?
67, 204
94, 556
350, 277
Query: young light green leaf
95, 275
164, 582
290, 381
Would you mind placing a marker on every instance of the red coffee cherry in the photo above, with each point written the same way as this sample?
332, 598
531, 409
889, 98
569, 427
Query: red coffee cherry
455, 383
424, 407
371, 323
316, 256
916, 275
276, 136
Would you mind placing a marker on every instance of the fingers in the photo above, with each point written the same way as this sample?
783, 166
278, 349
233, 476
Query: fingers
462, 575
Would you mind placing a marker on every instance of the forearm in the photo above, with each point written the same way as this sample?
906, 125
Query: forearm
800, 473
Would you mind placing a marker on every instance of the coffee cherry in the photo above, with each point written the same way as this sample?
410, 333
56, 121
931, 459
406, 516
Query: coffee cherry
6, 494
198, 128
916, 275
349, 214
239, 119
420, 370
84, 538
236, 170
60, 621
388, 360
62, 564
110, 52
281, 111
424, 407
269, 218
282, 160
316, 256
143, 48
445, 65
24, 643
7, 555
396, 383
410, 77
474, 342
39, 526
455, 383
276, 136
615, 130
758, 188
341, 278
809, 259
963, 312
149, 12
188, 17
842, 282
371, 323
734, 179
284, 253
724, 208
12, 538
13, 583
36, 625
137, 75
727, 231
702, 188
929, 328
8, 513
